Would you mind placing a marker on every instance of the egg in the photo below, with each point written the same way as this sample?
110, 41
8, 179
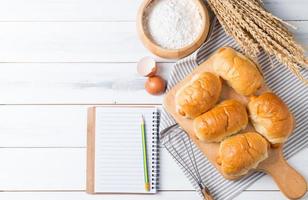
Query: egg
155, 85
147, 67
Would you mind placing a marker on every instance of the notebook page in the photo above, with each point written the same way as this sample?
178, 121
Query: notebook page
118, 149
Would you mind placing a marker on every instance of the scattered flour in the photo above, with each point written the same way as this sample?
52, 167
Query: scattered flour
173, 24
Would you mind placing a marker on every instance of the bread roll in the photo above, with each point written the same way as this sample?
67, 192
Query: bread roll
225, 119
242, 152
239, 72
271, 117
199, 95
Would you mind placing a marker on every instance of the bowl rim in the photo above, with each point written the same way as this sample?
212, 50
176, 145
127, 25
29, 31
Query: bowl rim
173, 53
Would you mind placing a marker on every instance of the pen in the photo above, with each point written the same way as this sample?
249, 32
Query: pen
145, 159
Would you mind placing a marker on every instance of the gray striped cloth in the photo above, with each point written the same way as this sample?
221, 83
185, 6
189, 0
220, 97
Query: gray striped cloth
277, 77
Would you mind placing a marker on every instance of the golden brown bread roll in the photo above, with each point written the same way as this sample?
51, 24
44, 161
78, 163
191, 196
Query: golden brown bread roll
198, 95
242, 152
225, 119
240, 72
271, 117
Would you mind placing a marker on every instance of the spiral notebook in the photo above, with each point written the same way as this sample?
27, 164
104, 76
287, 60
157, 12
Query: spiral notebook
114, 149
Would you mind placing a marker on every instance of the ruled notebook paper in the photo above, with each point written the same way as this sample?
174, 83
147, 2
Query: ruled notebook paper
118, 149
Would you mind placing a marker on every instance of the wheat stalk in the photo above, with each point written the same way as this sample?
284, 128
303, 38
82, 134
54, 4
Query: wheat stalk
253, 28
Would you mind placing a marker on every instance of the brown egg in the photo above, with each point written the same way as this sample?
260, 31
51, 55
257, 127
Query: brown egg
155, 85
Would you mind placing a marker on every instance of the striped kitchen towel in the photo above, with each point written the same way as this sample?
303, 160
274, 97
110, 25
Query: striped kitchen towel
277, 77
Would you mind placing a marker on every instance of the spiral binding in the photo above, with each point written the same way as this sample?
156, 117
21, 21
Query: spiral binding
155, 151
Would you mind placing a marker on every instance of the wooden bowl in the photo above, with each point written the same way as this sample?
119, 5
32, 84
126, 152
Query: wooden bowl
173, 53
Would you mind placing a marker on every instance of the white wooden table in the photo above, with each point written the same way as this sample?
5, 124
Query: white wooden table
60, 56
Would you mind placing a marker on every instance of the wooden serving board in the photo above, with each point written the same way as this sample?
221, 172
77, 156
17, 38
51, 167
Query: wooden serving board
290, 182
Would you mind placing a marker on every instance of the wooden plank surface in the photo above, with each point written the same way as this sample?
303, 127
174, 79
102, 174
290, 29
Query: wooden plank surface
69, 42
118, 10
43, 126
165, 195
83, 83
81, 41
288, 10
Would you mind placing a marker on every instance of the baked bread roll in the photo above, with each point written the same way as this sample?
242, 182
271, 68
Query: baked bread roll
198, 95
225, 119
271, 117
239, 72
242, 152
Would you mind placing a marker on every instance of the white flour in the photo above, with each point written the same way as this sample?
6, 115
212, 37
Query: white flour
173, 24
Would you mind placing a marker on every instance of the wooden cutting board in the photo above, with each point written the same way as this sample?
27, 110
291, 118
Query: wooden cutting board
290, 182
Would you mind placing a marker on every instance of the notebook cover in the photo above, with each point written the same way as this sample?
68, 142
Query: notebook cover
91, 150
90, 171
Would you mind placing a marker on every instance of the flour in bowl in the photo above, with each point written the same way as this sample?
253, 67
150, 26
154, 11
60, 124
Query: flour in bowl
173, 24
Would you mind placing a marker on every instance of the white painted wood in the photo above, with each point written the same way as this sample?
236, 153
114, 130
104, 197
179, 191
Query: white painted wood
112, 10
260, 195
68, 10
301, 32
43, 126
79, 41
42, 168
165, 195
70, 42
77, 83
288, 10
83, 196
64, 169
